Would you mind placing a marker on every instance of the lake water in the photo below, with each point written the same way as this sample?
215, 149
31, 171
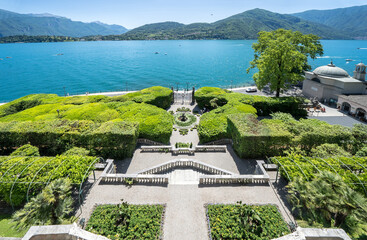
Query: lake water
79, 67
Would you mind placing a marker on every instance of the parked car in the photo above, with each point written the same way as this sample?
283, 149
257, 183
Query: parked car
251, 89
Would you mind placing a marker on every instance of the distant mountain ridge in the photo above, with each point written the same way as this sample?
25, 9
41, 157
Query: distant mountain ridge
245, 25
352, 20
12, 23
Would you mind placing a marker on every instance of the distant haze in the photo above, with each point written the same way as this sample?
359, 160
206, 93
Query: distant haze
134, 13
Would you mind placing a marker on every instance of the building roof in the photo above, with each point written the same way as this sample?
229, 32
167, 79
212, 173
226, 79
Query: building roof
331, 70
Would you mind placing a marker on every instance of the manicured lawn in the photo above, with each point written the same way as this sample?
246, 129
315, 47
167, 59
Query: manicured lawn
126, 221
6, 229
240, 221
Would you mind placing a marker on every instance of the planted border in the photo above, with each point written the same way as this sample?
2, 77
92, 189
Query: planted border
224, 222
144, 221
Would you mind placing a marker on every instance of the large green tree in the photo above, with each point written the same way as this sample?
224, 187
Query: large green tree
48, 207
281, 58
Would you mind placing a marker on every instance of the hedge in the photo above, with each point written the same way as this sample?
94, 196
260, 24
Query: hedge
154, 122
255, 139
206, 96
159, 96
115, 139
213, 124
35, 172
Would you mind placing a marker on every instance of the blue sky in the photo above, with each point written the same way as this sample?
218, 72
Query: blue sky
134, 13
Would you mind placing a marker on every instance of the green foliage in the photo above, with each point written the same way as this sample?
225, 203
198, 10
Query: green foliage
126, 221
190, 119
281, 57
328, 199
154, 123
359, 132
183, 132
31, 172
213, 125
183, 109
26, 150
352, 169
264, 105
159, 96
76, 151
183, 145
115, 139
50, 206
242, 221
7, 227
253, 138
329, 150
362, 152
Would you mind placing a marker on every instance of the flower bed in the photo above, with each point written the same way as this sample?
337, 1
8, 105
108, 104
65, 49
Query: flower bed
127, 221
241, 221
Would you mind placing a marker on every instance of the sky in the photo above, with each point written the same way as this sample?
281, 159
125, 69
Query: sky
135, 13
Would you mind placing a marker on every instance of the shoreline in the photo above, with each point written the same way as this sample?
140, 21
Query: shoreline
119, 93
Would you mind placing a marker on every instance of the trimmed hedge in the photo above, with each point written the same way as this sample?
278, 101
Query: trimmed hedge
213, 125
115, 139
210, 97
26, 150
254, 139
159, 96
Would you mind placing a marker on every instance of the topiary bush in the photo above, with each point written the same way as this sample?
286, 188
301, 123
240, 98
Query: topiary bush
159, 96
254, 139
213, 125
115, 139
26, 150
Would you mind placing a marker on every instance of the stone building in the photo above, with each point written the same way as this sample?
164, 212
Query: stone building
328, 82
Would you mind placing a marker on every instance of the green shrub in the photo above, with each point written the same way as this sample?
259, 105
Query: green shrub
159, 96
329, 150
127, 221
154, 123
362, 152
26, 150
183, 132
359, 132
115, 139
76, 151
241, 221
213, 125
211, 97
253, 138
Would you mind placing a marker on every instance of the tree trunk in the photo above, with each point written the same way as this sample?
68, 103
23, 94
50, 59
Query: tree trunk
278, 89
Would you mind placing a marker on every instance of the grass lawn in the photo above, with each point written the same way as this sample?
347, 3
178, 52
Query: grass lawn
6, 229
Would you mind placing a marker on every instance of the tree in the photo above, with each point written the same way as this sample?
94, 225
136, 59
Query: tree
281, 57
328, 199
49, 206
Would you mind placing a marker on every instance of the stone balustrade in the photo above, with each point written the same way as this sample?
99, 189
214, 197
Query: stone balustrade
210, 148
156, 148
148, 142
232, 179
190, 151
136, 178
185, 163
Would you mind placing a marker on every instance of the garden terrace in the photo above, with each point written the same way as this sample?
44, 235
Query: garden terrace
127, 221
353, 170
115, 139
24, 177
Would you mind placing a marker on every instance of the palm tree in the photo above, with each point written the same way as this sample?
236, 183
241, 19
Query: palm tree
49, 206
328, 198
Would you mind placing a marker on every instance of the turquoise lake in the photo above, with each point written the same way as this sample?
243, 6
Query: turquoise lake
80, 67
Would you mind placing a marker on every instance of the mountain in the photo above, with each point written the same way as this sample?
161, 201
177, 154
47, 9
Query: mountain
245, 25
350, 19
46, 24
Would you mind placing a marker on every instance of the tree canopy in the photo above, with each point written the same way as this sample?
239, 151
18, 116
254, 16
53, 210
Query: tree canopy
281, 57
